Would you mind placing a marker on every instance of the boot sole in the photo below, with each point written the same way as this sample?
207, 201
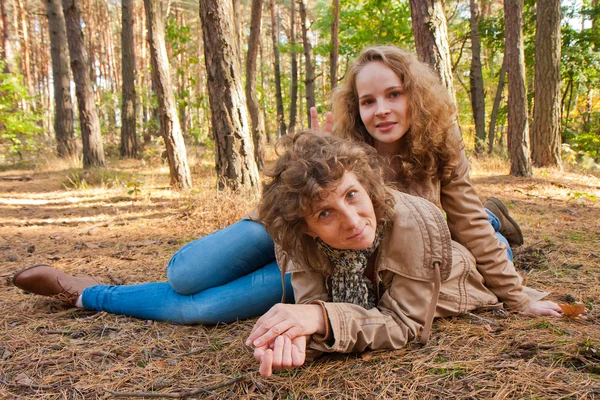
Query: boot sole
505, 214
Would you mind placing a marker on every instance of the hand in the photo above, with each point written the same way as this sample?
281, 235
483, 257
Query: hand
544, 308
287, 320
285, 353
314, 121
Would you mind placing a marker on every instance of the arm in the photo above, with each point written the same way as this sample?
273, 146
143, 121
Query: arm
468, 224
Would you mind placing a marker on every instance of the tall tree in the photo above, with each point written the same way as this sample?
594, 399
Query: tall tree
281, 127
63, 107
256, 117
431, 38
309, 77
476, 80
129, 141
545, 138
170, 128
335, 43
235, 163
496, 107
7, 48
93, 151
293, 69
518, 127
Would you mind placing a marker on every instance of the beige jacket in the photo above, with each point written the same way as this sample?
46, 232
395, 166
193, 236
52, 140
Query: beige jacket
415, 256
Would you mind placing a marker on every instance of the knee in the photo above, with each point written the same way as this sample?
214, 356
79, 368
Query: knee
178, 274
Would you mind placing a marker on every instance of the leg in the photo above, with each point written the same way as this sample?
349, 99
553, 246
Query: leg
220, 257
496, 225
249, 296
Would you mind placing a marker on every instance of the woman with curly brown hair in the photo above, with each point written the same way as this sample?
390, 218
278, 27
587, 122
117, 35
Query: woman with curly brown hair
371, 267
396, 103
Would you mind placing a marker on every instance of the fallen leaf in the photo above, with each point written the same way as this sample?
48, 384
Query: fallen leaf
568, 218
572, 310
23, 379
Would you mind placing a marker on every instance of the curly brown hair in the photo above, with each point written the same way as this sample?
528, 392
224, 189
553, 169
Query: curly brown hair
311, 166
426, 151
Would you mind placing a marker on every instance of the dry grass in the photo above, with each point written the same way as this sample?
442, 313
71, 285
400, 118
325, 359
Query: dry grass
48, 351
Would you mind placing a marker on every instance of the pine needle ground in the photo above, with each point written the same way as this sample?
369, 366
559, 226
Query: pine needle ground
122, 226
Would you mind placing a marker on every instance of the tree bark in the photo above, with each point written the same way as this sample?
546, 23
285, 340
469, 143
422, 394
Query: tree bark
256, 117
235, 163
545, 138
63, 107
309, 76
26, 59
129, 141
93, 151
476, 80
7, 48
335, 44
293, 70
431, 39
496, 107
518, 128
170, 128
281, 127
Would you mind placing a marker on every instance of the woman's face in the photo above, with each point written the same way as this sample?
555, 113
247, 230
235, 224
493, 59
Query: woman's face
383, 106
345, 218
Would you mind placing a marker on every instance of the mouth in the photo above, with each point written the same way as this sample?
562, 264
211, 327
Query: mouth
384, 126
359, 234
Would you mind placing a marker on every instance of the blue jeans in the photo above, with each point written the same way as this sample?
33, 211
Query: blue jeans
496, 225
228, 275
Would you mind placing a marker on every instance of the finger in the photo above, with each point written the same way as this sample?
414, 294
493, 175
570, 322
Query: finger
298, 356
286, 356
278, 352
314, 118
328, 122
266, 364
281, 328
264, 323
259, 352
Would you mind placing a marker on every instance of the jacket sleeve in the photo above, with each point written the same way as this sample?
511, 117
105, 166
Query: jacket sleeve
468, 224
397, 319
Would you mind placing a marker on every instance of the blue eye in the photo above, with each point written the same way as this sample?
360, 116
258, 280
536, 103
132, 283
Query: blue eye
324, 214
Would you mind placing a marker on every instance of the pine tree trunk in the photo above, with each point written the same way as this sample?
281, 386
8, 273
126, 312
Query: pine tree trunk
236, 168
93, 151
7, 46
496, 107
518, 128
129, 141
63, 107
169, 120
545, 138
256, 118
335, 44
431, 38
309, 76
26, 52
293, 70
281, 127
476, 80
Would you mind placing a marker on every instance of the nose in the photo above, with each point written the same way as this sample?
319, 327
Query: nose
382, 108
350, 217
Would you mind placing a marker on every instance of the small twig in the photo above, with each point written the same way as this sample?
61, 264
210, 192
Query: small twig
180, 395
477, 317
58, 332
43, 362
116, 280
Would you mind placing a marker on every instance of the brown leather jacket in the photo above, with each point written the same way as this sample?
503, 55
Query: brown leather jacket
420, 273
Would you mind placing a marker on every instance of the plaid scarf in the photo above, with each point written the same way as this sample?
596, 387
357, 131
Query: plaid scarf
349, 284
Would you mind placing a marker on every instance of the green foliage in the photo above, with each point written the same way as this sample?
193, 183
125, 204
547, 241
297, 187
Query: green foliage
83, 179
17, 127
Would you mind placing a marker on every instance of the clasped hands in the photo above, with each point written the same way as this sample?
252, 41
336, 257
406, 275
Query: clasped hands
279, 337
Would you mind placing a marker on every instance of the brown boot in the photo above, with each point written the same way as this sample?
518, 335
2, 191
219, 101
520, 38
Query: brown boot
508, 226
44, 280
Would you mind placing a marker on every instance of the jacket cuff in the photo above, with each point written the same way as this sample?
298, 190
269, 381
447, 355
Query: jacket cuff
327, 336
340, 338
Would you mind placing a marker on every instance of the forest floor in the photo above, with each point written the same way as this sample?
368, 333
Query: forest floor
122, 226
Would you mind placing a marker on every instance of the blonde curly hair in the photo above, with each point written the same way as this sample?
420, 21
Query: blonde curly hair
426, 151
310, 167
